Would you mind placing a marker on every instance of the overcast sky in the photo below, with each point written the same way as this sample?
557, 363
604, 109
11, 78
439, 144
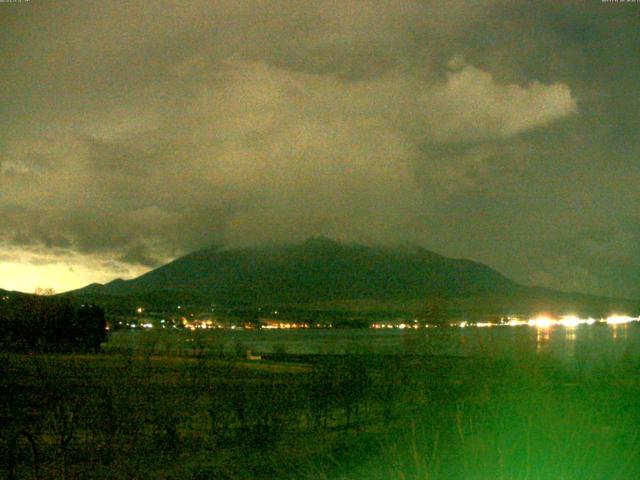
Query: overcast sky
134, 131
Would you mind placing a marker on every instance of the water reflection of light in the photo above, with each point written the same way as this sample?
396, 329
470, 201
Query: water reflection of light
542, 338
619, 330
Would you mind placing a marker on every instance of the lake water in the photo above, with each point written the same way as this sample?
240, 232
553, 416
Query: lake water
583, 343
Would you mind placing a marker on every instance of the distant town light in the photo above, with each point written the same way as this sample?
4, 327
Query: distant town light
620, 319
571, 321
542, 321
515, 322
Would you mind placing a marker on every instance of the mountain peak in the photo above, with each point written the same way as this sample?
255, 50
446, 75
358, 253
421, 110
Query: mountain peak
321, 241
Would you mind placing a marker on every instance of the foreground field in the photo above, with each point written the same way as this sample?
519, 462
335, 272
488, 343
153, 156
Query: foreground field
323, 417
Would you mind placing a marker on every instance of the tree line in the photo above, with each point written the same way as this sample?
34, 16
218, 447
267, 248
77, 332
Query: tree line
32, 323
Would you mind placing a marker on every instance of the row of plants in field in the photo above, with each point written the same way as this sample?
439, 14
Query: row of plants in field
357, 416
102, 410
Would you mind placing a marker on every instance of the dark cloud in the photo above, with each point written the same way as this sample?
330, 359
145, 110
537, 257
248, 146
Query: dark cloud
138, 254
135, 131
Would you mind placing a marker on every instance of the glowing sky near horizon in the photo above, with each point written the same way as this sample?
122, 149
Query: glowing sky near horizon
25, 277
62, 276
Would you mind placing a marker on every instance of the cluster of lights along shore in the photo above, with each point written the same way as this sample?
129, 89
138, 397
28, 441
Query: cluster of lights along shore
539, 321
542, 321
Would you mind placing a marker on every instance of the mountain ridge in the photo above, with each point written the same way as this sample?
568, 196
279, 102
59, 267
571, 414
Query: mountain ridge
324, 271
317, 268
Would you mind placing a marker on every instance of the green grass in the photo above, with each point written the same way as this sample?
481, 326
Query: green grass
363, 416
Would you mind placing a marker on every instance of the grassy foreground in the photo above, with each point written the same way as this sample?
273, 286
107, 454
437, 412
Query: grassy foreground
344, 417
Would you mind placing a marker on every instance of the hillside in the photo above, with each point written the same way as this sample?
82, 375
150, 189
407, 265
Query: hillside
320, 271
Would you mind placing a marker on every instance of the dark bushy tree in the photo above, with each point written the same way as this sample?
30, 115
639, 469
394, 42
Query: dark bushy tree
91, 326
36, 323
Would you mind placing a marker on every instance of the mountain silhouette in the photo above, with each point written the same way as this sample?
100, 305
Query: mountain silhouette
318, 269
324, 270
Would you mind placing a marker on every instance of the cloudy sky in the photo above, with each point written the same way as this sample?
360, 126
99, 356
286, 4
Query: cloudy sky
506, 132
